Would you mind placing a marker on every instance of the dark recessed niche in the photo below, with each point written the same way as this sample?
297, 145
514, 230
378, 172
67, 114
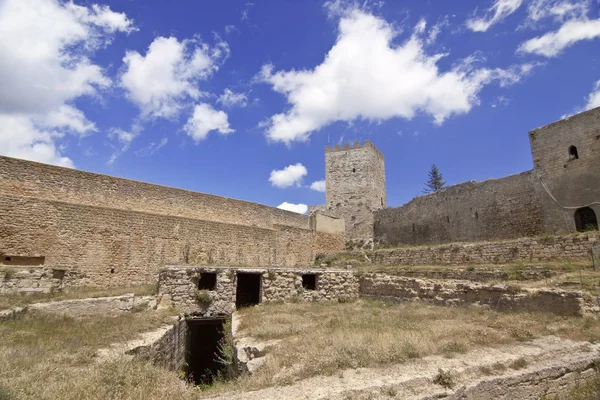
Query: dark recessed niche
58, 274
309, 281
112, 270
22, 261
207, 281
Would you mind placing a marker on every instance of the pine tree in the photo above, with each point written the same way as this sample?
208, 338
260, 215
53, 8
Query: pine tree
436, 180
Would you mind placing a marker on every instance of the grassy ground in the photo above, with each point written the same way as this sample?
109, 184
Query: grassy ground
19, 300
47, 357
324, 338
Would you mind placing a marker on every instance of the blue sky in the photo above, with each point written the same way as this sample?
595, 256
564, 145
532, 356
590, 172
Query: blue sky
239, 98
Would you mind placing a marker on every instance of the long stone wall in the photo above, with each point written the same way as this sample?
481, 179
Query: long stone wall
22, 178
471, 211
179, 284
452, 293
101, 246
574, 247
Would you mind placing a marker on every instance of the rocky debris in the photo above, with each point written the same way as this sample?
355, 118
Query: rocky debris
547, 366
452, 292
78, 307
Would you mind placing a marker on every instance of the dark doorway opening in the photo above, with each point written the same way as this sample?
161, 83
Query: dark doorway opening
585, 219
309, 281
202, 349
207, 281
248, 289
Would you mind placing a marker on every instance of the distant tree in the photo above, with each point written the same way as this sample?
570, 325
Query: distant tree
436, 180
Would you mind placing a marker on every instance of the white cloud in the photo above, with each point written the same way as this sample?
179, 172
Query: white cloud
558, 10
125, 137
152, 147
365, 75
166, 78
231, 99
553, 43
45, 47
496, 13
20, 137
318, 186
204, 120
289, 176
67, 117
594, 97
297, 208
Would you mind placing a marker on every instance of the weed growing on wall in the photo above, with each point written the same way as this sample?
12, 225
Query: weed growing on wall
203, 297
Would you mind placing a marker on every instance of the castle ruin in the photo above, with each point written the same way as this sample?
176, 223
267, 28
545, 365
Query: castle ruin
560, 195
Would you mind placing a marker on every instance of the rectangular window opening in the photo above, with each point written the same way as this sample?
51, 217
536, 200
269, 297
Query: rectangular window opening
248, 289
207, 281
309, 281
22, 261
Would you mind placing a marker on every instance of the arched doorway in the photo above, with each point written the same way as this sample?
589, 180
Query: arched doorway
585, 219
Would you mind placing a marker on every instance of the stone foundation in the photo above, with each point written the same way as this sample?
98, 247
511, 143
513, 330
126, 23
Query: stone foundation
575, 247
179, 285
452, 293
25, 280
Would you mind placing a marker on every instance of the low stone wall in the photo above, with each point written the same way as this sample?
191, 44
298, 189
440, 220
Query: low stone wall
575, 247
99, 305
179, 285
530, 273
25, 280
169, 350
499, 297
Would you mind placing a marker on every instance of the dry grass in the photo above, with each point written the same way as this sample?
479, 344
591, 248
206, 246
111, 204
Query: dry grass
49, 357
324, 338
45, 357
18, 300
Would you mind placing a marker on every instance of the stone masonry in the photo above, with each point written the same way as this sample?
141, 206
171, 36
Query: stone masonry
106, 231
567, 248
453, 293
178, 285
355, 180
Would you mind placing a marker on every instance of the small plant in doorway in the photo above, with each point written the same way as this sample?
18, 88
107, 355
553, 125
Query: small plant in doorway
203, 297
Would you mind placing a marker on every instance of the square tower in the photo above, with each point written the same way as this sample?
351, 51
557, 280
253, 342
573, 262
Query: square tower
355, 186
566, 164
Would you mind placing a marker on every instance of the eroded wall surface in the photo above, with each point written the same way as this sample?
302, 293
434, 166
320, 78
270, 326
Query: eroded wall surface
574, 247
179, 285
568, 183
355, 186
471, 211
107, 231
453, 293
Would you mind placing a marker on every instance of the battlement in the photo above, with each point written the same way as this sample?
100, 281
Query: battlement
353, 146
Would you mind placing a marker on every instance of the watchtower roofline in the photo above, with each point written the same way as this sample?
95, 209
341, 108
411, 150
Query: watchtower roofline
353, 146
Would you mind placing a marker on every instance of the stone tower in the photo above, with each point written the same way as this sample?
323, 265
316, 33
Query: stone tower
355, 186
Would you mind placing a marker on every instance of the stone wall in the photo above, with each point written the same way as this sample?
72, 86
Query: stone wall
22, 178
178, 285
574, 247
355, 186
573, 183
105, 246
453, 293
25, 280
169, 351
471, 211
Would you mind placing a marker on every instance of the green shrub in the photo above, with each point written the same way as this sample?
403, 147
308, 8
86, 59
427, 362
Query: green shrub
203, 297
